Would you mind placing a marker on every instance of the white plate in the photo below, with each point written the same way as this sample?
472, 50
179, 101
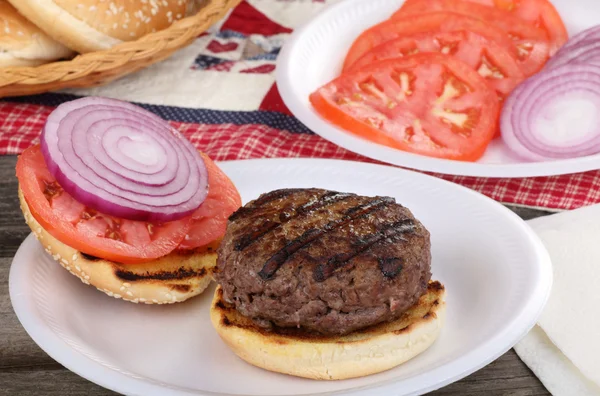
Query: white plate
497, 273
314, 54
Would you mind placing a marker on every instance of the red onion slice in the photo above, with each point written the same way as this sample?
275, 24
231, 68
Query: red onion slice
555, 114
124, 161
591, 34
585, 52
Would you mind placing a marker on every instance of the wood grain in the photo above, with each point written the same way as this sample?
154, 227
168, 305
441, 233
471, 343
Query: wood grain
26, 370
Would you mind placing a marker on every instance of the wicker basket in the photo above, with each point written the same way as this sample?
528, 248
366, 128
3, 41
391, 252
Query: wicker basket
101, 67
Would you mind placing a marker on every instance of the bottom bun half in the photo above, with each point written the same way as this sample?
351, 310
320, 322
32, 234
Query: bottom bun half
169, 279
361, 353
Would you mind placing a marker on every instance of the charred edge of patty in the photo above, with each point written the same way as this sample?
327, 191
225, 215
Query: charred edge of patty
261, 201
230, 317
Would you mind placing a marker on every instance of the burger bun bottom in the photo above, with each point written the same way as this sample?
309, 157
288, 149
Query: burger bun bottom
361, 353
169, 279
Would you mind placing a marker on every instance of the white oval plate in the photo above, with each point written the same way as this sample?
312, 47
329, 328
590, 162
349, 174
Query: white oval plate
313, 56
496, 271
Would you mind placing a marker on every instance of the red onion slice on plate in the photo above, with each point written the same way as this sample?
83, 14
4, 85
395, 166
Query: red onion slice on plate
590, 34
555, 114
584, 52
124, 161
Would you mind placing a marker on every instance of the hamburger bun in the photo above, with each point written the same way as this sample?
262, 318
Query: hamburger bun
169, 279
24, 44
363, 352
93, 25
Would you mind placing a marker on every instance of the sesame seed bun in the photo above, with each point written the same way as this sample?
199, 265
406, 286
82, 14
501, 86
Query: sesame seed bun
170, 279
93, 25
364, 352
24, 44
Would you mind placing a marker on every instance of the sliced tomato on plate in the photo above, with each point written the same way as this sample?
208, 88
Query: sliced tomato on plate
423, 23
532, 47
209, 222
94, 233
539, 13
429, 104
490, 60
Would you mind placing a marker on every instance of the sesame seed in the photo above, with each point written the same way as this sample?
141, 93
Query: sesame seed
122, 288
129, 293
75, 257
87, 277
49, 248
78, 268
178, 16
155, 301
64, 261
168, 295
116, 295
69, 269
127, 284
125, 26
39, 230
142, 299
92, 8
135, 301
174, 298
110, 294
56, 257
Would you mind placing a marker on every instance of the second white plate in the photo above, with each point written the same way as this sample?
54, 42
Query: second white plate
314, 54
496, 271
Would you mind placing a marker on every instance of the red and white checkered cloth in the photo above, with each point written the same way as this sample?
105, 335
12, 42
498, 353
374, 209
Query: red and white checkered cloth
220, 92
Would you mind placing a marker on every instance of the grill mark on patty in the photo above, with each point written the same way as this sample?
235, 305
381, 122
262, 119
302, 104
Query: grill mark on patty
261, 201
384, 232
278, 259
307, 208
180, 273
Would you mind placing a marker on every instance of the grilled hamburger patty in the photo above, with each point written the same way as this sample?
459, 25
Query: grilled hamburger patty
324, 261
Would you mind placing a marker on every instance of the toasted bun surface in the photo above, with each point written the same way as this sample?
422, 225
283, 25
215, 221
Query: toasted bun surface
358, 354
92, 25
24, 44
173, 278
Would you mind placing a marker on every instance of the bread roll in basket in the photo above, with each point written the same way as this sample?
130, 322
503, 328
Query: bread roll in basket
99, 66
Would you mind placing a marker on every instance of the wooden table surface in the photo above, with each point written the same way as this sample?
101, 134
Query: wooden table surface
26, 370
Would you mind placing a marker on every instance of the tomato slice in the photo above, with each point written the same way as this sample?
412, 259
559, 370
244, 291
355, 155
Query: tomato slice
209, 222
539, 13
94, 233
424, 23
428, 103
492, 62
531, 45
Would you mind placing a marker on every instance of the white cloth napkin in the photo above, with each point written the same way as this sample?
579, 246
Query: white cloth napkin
563, 350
